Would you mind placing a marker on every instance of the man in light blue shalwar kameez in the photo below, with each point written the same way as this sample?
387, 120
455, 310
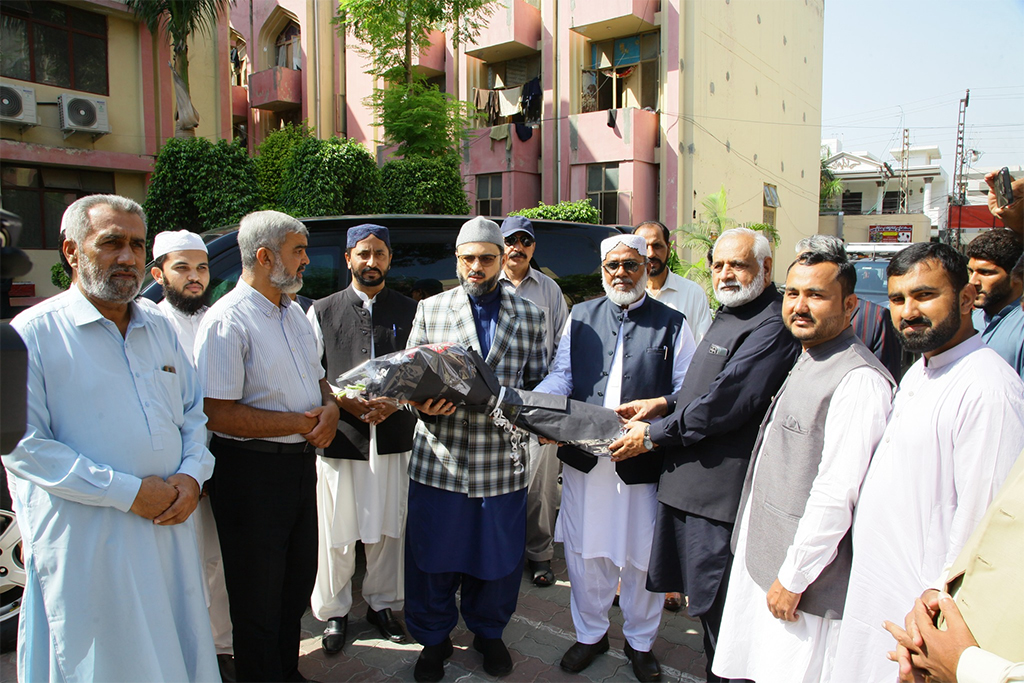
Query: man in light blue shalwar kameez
109, 472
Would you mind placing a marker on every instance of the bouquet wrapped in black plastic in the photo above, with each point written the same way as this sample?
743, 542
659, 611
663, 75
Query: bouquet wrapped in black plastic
455, 374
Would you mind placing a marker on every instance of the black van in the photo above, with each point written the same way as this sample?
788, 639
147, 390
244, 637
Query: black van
423, 247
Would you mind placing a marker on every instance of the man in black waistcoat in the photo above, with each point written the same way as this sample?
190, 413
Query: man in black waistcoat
362, 479
739, 365
623, 346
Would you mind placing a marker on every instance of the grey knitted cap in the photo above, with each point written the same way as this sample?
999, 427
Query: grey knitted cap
480, 230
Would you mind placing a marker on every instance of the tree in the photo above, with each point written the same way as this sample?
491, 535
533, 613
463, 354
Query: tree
330, 177
179, 19
420, 119
392, 32
424, 185
830, 188
199, 185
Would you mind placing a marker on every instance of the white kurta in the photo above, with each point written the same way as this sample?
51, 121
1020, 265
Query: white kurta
109, 596
956, 428
600, 515
753, 644
360, 501
185, 325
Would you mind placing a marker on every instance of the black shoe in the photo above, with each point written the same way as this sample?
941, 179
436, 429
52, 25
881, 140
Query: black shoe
334, 635
645, 664
580, 656
430, 665
389, 627
497, 660
542, 574
226, 664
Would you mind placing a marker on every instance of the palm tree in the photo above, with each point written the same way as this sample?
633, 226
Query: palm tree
179, 19
830, 188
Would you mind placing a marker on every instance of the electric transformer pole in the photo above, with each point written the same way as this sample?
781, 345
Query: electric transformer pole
959, 196
905, 173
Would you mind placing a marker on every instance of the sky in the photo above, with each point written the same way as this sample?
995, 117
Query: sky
895, 64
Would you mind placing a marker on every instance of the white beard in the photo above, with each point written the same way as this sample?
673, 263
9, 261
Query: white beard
625, 298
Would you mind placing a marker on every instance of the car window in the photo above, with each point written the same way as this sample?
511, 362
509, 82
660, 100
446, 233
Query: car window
320, 278
871, 281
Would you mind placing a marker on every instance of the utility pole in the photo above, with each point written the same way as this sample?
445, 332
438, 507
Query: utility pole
905, 174
959, 196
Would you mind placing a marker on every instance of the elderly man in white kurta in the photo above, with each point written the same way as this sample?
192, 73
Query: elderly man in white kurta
956, 428
615, 349
792, 564
109, 471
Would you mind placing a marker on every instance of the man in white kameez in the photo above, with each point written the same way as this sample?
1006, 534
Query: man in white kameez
181, 265
109, 472
624, 346
362, 478
793, 550
956, 428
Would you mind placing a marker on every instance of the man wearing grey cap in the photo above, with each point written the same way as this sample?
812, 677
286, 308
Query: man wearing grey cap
362, 484
467, 488
542, 497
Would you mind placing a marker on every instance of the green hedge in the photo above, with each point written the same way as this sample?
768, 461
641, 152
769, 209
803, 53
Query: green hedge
199, 185
581, 211
273, 156
330, 177
424, 185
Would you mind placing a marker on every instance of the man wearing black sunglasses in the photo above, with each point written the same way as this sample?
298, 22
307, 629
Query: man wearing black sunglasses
542, 499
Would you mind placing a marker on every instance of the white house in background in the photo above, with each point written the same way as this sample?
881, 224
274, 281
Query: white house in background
872, 186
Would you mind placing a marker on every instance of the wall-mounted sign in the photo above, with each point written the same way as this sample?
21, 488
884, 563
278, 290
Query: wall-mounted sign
891, 233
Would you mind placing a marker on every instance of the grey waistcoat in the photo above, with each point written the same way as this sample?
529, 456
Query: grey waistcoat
789, 465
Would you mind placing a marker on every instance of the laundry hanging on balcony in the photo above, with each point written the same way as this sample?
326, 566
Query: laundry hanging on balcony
510, 101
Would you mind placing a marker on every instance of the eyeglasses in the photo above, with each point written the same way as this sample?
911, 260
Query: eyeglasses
486, 260
524, 240
612, 267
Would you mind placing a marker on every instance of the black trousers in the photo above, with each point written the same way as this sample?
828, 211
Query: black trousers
265, 507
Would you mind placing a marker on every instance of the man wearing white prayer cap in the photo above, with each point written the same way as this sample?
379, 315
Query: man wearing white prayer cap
624, 346
182, 267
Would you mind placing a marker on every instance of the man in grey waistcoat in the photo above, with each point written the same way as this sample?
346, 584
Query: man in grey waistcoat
792, 542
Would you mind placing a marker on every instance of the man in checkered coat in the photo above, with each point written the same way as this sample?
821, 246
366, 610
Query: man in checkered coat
467, 491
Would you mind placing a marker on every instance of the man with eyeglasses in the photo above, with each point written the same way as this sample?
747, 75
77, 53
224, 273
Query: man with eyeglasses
624, 346
466, 527
542, 497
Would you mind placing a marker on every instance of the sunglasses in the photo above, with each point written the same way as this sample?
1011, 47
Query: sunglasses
612, 267
524, 240
486, 260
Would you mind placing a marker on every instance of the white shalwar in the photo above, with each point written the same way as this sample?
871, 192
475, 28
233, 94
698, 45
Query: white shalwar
753, 644
360, 500
956, 428
606, 525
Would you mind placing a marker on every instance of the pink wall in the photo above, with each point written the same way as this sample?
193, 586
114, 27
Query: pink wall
602, 11
519, 23
492, 156
633, 136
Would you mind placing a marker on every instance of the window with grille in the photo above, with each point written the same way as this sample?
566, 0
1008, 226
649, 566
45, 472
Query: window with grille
771, 203
289, 54
852, 202
891, 202
39, 195
488, 195
603, 191
53, 44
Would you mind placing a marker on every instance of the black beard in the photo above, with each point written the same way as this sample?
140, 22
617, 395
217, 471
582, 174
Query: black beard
358, 277
657, 267
478, 289
189, 305
932, 337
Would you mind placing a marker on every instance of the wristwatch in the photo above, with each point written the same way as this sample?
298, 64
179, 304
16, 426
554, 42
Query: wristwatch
648, 444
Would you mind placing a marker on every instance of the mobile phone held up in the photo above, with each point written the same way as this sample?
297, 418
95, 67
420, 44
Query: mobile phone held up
1003, 189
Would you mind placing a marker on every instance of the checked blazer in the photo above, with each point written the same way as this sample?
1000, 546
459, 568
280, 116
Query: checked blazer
464, 452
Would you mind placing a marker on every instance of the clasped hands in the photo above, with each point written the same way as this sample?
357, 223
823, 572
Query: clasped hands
167, 502
637, 415
370, 410
923, 651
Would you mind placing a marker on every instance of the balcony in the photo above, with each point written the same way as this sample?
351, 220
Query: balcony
275, 89
239, 103
514, 30
634, 136
600, 19
430, 61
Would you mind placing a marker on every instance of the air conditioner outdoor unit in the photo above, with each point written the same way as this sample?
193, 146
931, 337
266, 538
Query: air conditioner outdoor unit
18, 105
80, 114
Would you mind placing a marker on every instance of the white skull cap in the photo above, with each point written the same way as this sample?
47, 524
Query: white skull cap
632, 241
182, 240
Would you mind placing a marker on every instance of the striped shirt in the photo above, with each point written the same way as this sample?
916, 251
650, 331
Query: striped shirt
250, 350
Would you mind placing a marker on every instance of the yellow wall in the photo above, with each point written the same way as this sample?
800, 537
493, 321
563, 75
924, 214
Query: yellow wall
758, 54
856, 228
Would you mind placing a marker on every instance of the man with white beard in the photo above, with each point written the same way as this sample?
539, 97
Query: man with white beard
740, 364
624, 346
